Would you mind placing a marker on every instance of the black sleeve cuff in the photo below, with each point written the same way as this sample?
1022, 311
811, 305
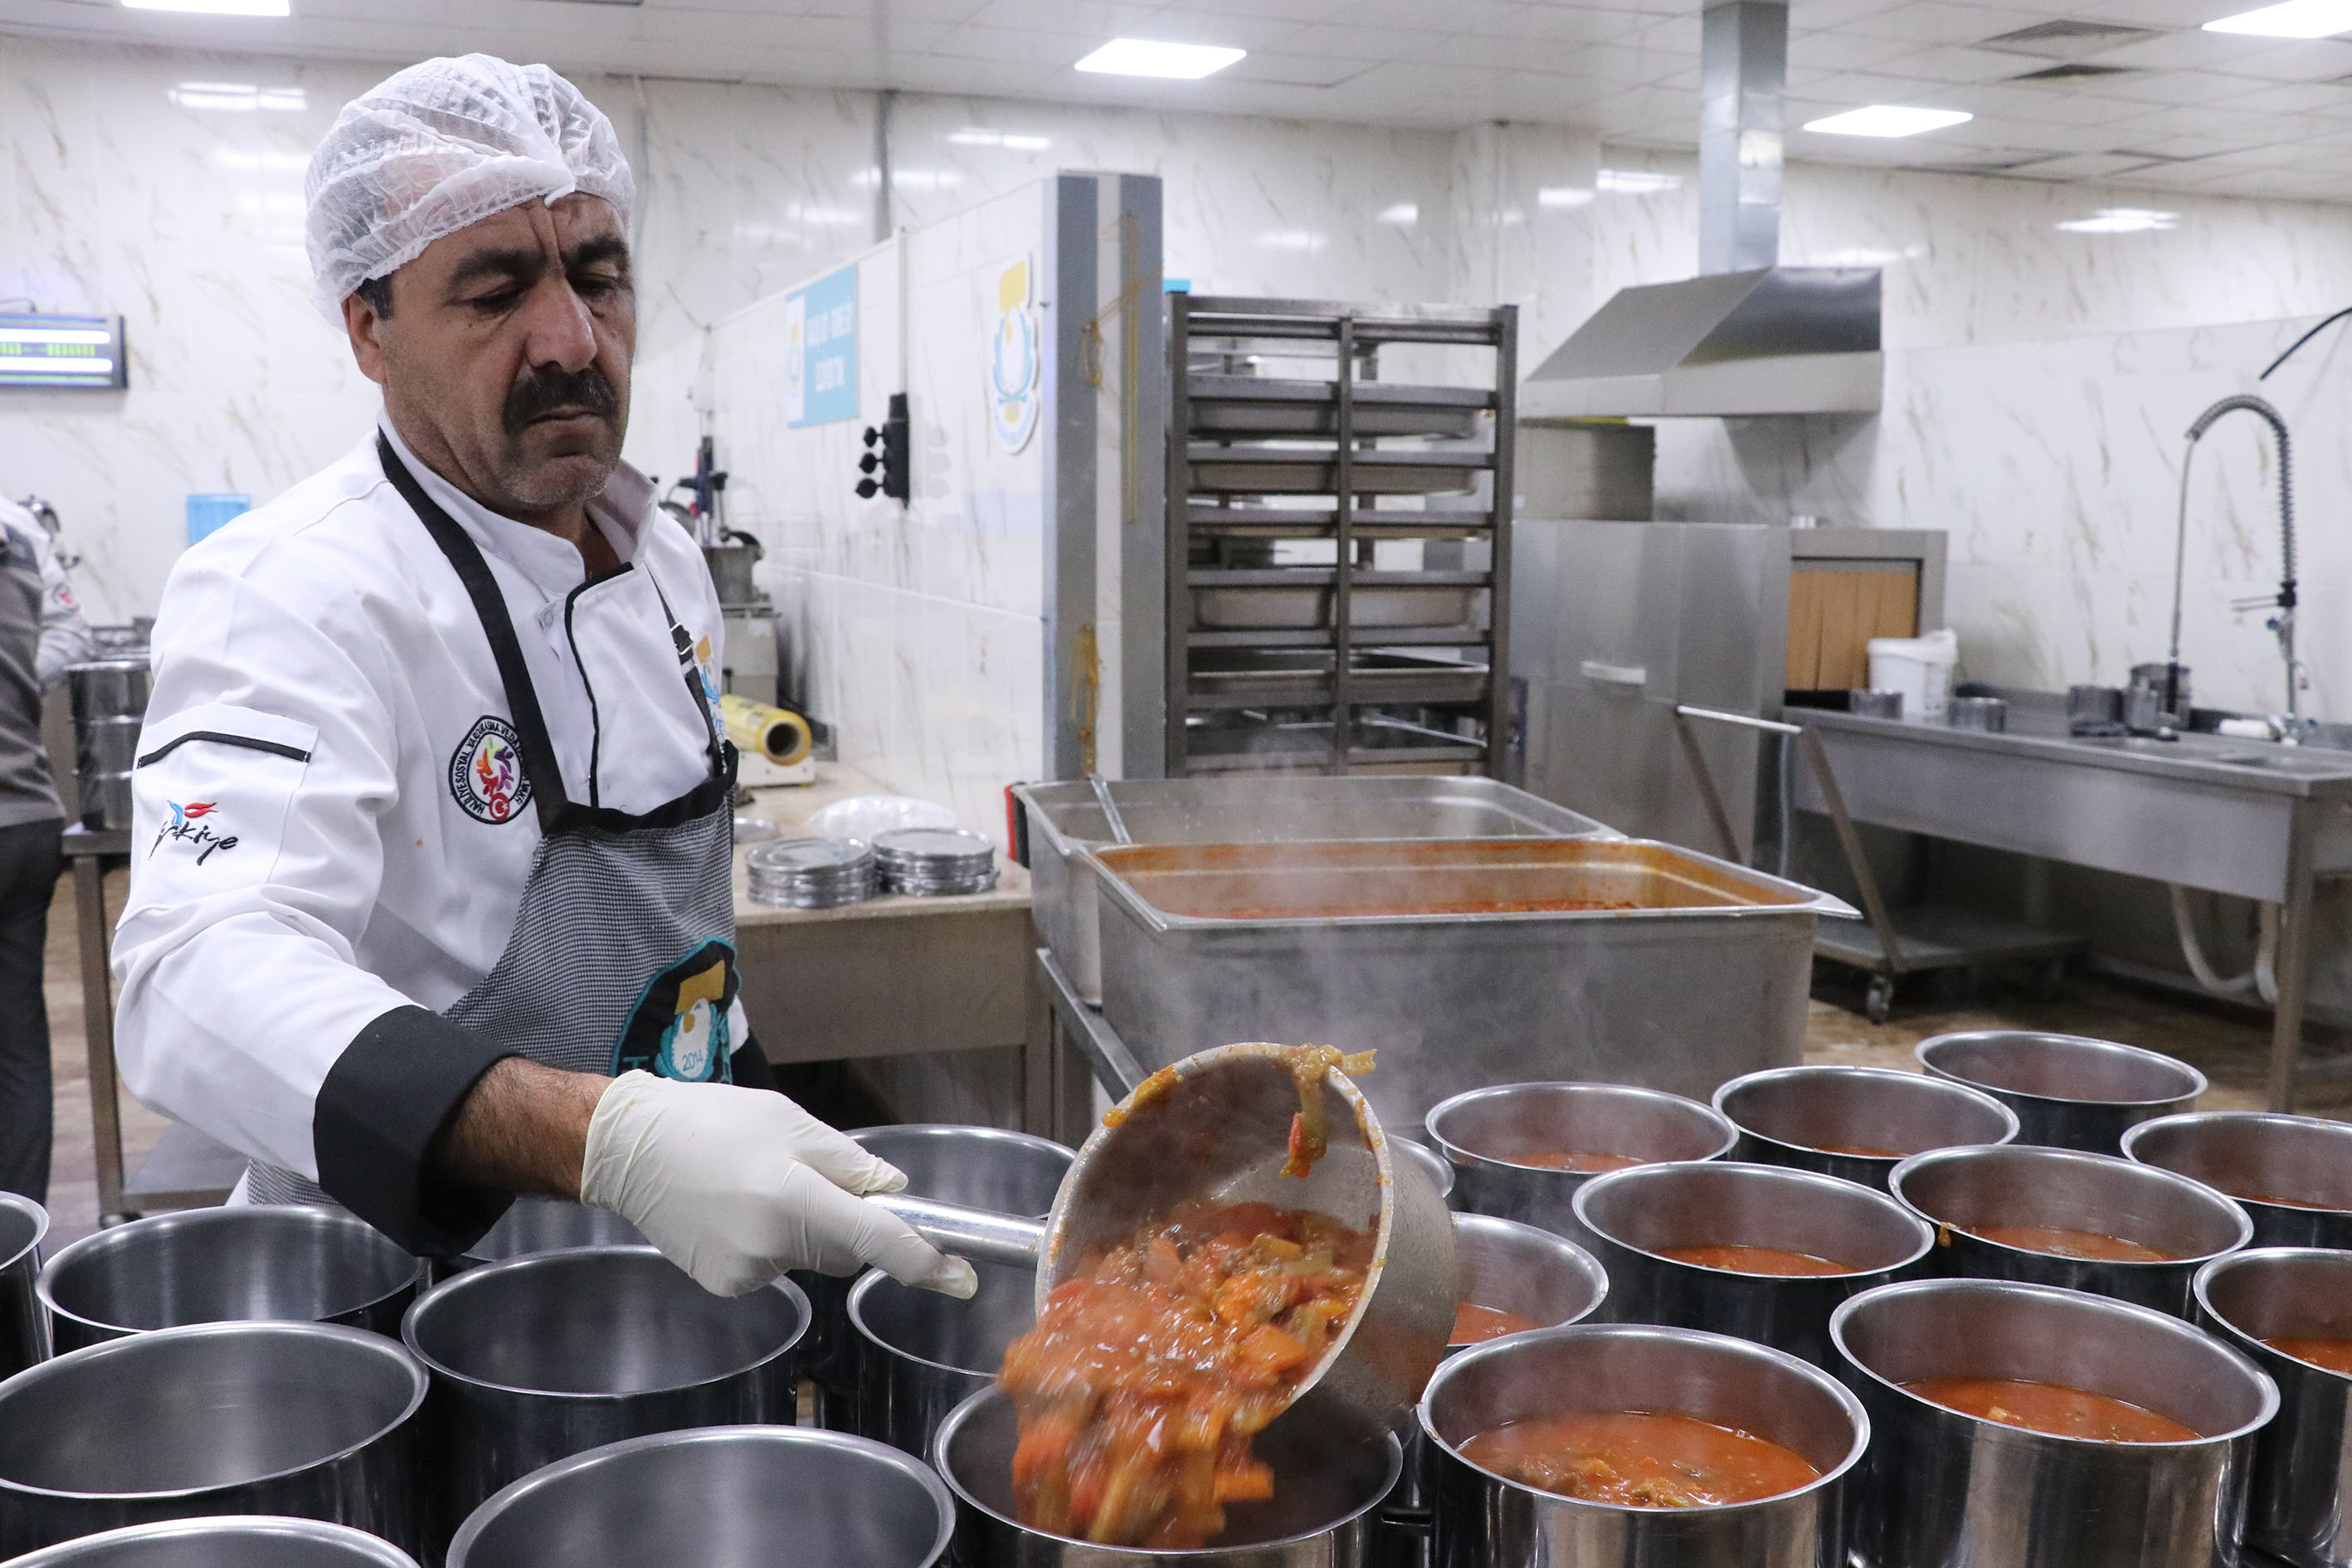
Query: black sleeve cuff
748, 1067
386, 1098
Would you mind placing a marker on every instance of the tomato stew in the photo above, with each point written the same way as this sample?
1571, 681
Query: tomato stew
1639, 1460
1770, 1261
2051, 1408
2059, 1242
1475, 1325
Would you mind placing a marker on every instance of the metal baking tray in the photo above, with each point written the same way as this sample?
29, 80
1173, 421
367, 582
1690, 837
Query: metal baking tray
1369, 607
1255, 405
1251, 678
1066, 819
1702, 976
1273, 470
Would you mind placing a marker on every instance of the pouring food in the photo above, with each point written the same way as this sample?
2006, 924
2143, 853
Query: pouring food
1236, 1231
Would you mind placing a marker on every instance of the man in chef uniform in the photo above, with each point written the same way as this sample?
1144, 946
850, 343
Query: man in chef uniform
430, 901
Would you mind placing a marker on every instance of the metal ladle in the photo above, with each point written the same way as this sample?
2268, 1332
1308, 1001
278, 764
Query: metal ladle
1217, 1126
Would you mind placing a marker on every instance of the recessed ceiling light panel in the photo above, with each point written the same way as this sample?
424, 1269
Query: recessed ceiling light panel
1888, 119
2295, 19
2121, 220
215, 8
1142, 57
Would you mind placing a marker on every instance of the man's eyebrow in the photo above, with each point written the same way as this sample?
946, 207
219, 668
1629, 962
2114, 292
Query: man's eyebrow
520, 263
604, 247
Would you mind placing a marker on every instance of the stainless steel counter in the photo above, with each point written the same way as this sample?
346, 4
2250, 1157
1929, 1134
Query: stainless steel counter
2257, 820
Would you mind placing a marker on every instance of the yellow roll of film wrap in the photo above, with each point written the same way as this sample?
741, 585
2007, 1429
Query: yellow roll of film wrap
778, 734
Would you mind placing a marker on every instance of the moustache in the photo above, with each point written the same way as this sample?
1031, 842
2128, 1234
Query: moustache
549, 388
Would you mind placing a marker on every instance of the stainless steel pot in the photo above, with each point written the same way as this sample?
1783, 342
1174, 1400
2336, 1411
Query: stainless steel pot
550, 1224
222, 1264
2261, 1158
23, 1323
1530, 1273
1957, 1190
1636, 1214
539, 1357
918, 1354
1941, 1488
1486, 1133
244, 1540
1487, 1522
314, 1420
2300, 1506
976, 1167
722, 1497
1330, 1470
1813, 1117
108, 688
1512, 1268
1434, 1167
2069, 1091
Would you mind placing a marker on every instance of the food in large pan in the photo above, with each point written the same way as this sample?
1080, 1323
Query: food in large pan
1639, 1459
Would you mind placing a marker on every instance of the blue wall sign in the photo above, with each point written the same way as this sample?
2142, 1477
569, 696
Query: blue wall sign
821, 350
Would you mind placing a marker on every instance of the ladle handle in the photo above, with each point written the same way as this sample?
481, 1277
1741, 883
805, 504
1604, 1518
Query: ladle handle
970, 1233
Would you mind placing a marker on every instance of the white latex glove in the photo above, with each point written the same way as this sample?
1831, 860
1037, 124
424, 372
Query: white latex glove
737, 1186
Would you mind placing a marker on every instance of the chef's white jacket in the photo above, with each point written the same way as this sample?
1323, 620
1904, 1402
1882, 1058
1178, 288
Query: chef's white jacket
312, 862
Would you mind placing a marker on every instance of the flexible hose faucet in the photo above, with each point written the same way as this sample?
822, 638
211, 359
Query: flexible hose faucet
2283, 623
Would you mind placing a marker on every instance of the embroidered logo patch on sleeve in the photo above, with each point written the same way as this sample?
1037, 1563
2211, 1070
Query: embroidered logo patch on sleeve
486, 774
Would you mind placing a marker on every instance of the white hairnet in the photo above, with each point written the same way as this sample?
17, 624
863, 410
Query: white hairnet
441, 146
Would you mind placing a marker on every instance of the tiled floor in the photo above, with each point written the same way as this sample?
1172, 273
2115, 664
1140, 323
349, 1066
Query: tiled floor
2229, 1046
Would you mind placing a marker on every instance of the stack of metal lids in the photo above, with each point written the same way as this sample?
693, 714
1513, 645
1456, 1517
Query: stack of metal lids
810, 873
928, 861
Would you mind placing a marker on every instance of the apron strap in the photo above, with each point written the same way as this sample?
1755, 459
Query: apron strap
538, 765
715, 740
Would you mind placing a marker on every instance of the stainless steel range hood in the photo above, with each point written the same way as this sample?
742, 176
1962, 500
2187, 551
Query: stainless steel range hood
1747, 336
1776, 339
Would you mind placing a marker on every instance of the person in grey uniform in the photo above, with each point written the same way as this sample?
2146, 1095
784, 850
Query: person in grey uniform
41, 632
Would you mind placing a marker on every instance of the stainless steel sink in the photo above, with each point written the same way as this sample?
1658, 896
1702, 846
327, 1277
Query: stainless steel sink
2313, 760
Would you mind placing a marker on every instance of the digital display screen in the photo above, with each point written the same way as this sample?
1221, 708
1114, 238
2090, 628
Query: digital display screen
62, 350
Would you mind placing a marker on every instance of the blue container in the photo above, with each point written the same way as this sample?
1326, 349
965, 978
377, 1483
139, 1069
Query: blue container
208, 513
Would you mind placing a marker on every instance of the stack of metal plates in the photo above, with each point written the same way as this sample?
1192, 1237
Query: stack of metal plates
928, 861
810, 873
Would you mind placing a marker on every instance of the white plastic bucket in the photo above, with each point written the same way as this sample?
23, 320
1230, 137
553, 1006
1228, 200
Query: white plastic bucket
1920, 667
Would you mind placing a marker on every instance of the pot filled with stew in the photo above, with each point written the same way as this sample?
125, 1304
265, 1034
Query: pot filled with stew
1853, 1121
2069, 1091
976, 1167
2289, 1311
1521, 1151
1759, 1252
1515, 1280
1596, 1446
2024, 1427
2292, 1174
2059, 1216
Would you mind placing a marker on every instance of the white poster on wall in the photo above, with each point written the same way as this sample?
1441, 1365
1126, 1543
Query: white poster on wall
1015, 371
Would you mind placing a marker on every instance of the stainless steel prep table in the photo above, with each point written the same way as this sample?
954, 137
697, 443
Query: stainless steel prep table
2252, 819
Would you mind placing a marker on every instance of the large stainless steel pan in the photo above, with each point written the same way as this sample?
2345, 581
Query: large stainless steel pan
308, 1419
1940, 1487
2069, 1091
1068, 819
2292, 1174
1487, 1522
718, 1496
222, 1264
240, 1540
1217, 1125
538, 1357
2302, 1504
1702, 975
